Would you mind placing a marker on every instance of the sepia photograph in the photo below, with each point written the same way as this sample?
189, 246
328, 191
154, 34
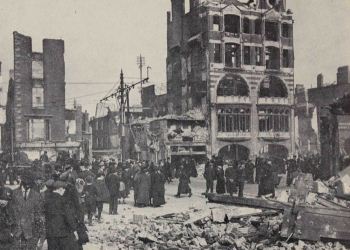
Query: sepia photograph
174, 124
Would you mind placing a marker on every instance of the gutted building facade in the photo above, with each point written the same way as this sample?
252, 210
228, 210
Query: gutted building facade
2, 110
333, 126
36, 117
234, 61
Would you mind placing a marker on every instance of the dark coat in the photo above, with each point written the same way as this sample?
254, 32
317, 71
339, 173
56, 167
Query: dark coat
59, 216
220, 185
102, 190
231, 180
142, 188
7, 220
209, 173
113, 184
29, 214
90, 192
158, 190
184, 182
84, 174
267, 180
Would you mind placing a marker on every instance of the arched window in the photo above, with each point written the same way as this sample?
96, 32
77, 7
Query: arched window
233, 86
273, 86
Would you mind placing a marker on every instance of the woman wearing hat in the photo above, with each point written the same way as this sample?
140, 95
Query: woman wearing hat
61, 224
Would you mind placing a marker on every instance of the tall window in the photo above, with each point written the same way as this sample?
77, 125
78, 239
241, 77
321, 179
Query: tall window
287, 30
271, 31
232, 55
38, 97
258, 26
217, 53
287, 58
247, 58
216, 23
246, 25
273, 120
38, 130
234, 119
259, 56
232, 24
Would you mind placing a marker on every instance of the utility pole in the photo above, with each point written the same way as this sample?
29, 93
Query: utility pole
141, 61
122, 93
122, 116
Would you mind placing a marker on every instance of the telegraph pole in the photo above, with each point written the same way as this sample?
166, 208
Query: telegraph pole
141, 61
122, 115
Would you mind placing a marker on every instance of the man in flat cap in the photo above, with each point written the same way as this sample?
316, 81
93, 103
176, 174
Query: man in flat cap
28, 208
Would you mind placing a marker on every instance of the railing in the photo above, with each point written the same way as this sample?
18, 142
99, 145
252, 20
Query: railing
274, 135
233, 99
273, 101
234, 135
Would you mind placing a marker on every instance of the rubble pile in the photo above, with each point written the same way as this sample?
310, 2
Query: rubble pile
186, 231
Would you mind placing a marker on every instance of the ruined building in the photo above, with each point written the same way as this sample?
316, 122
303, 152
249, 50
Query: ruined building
333, 127
235, 61
36, 117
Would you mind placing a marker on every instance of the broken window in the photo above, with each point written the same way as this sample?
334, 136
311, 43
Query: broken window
259, 56
232, 24
247, 55
287, 30
216, 23
288, 58
273, 86
258, 26
271, 31
38, 130
71, 127
273, 120
234, 119
272, 58
232, 55
246, 25
38, 96
217, 53
233, 86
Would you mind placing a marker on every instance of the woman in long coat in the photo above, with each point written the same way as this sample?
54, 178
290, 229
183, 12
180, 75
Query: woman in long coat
220, 181
184, 182
231, 178
158, 190
142, 188
267, 181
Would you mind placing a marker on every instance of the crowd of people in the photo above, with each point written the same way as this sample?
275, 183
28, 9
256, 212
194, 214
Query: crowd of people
54, 200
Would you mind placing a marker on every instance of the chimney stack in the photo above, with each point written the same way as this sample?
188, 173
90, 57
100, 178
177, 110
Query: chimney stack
343, 76
320, 83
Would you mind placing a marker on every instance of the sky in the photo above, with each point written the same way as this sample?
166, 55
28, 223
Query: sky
102, 37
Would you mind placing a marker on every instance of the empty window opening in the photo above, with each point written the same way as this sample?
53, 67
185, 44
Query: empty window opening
38, 97
246, 25
271, 31
273, 120
234, 119
216, 23
232, 55
233, 86
259, 56
258, 26
232, 24
247, 55
38, 130
288, 58
287, 30
273, 86
217, 53
272, 58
